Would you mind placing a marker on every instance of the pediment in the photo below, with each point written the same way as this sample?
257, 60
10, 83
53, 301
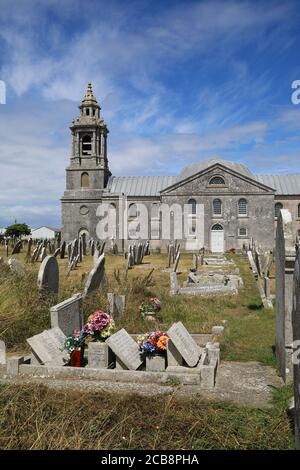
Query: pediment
199, 183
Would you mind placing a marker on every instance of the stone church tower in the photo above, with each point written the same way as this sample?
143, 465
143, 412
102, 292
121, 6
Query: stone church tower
88, 172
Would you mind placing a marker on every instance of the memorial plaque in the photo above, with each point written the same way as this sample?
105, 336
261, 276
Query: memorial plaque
184, 343
99, 356
126, 349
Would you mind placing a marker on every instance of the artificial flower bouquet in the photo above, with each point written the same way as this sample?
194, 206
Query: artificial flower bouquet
73, 342
153, 343
99, 327
150, 308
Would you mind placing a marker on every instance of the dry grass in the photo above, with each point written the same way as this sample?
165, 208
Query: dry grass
34, 417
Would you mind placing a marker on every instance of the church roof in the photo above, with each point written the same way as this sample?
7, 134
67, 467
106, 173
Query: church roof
140, 185
194, 168
284, 185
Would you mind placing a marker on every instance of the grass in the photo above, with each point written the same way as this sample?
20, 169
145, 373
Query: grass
35, 417
249, 328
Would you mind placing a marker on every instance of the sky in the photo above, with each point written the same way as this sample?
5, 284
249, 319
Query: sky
177, 81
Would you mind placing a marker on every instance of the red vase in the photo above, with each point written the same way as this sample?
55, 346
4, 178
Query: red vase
75, 359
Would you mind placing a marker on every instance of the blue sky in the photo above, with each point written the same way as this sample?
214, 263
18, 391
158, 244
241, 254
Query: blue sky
178, 82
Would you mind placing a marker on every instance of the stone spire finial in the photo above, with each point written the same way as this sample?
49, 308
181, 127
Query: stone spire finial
89, 96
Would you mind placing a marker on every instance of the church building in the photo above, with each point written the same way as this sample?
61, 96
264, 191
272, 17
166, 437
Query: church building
237, 206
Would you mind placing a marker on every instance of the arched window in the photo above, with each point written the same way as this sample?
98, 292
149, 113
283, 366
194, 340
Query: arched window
85, 180
192, 206
242, 232
242, 205
132, 211
217, 207
278, 207
217, 228
87, 145
217, 181
298, 211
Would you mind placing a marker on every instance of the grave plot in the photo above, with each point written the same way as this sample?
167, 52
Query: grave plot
210, 282
157, 357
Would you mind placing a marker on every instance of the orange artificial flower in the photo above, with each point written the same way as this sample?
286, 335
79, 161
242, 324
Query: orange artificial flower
162, 342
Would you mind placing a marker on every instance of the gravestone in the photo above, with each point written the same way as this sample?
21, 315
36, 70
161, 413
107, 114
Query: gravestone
102, 248
83, 240
57, 252
100, 356
174, 288
17, 248
116, 305
43, 254
176, 262
285, 260
16, 266
29, 246
62, 250
126, 350
2, 352
95, 276
184, 343
1, 260
68, 315
48, 277
296, 347
92, 248
6, 249
47, 347
69, 250
74, 251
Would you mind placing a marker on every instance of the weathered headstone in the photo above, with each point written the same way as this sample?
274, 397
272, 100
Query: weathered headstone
95, 276
116, 304
48, 277
16, 266
1, 260
100, 355
126, 350
62, 250
184, 343
2, 352
43, 254
285, 260
296, 347
176, 262
47, 347
174, 287
68, 315
57, 252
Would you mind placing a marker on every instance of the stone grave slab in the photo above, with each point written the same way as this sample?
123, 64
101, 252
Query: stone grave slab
2, 353
125, 349
67, 315
47, 347
184, 343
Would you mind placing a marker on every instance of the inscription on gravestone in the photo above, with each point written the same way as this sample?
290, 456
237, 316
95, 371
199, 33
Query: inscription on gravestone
184, 343
67, 315
126, 349
47, 347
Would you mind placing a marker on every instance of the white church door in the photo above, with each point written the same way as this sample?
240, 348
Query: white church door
217, 239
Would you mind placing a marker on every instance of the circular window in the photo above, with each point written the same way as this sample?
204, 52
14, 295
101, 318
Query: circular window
84, 210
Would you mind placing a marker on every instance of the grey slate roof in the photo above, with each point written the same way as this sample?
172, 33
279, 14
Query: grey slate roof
285, 185
140, 185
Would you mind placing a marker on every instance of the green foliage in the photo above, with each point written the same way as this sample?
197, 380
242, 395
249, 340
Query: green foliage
16, 230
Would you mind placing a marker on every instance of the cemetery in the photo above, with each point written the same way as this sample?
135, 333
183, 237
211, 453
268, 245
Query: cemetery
81, 318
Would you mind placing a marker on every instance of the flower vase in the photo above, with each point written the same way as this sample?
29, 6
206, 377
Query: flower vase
156, 362
76, 358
